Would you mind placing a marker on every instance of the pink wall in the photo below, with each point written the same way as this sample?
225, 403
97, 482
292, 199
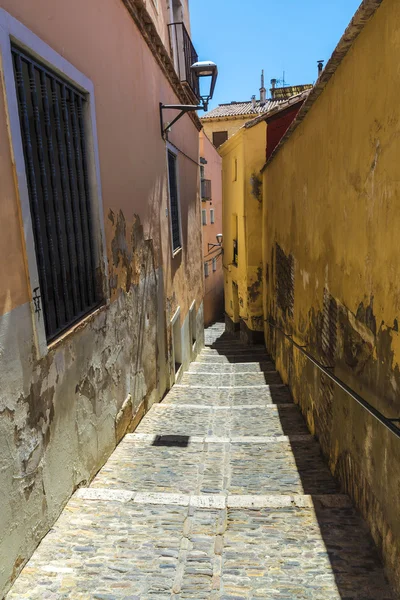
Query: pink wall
214, 283
102, 41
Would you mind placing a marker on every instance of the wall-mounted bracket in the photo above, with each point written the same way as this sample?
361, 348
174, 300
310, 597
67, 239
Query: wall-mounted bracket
183, 108
211, 246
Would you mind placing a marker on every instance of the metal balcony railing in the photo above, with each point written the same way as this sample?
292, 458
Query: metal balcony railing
184, 55
206, 189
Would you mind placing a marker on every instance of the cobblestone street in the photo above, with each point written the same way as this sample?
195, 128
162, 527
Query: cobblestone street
221, 493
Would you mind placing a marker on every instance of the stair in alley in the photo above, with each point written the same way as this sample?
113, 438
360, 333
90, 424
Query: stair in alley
221, 493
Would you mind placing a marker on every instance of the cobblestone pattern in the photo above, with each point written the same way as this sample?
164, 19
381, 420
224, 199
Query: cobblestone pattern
220, 494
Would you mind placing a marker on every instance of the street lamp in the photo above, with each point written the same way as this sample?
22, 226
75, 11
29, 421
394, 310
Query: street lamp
218, 245
201, 70
206, 68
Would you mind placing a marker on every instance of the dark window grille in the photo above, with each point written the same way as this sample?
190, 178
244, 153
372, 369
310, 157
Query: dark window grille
55, 148
174, 202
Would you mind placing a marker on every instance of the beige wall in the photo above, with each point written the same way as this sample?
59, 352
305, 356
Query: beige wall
214, 283
332, 204
231, 125
61, 415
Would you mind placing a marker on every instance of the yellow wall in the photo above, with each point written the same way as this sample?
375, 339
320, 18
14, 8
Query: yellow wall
231, 125
332, 203
242, 198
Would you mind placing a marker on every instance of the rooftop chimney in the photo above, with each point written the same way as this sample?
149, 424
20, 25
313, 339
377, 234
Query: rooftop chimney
253, 101
273, 86
320, 66
263, 91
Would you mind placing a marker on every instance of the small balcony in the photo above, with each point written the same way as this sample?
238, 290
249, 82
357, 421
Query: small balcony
205, 189
184, 55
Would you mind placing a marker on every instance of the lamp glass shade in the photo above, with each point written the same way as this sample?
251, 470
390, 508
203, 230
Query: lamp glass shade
219, 238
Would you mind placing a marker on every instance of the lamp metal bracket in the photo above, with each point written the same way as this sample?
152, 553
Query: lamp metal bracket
183, 108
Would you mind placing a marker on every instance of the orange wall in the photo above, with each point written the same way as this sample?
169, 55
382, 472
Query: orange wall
214, 283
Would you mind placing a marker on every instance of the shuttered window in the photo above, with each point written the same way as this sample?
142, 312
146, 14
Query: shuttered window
219, 137
55, 149
174, 201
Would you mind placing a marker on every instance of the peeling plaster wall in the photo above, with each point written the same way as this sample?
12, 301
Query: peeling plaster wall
62, 415
244, 154
331, 270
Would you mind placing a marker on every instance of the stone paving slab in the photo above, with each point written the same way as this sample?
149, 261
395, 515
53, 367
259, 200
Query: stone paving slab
111, 550
280, 468
245, 367
231, 379
192, 420
220, 494
214, 357
106, 551
291, 553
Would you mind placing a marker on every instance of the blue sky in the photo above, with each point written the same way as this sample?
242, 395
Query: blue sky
274, 35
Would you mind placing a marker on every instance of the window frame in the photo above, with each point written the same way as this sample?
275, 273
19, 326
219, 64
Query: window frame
214, 264
212, 216
219, 132
173, 150
12, 32
206, 270
204, 216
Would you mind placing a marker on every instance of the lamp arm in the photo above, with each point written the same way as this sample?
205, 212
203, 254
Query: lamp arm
183, 108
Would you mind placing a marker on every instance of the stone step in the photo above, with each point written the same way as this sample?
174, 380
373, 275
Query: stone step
253, 367
235, 350
225, 422
177, 464
233, 358
158, 547
231, 380
269, 394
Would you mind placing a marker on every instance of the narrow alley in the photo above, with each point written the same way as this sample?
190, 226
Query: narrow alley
220, 493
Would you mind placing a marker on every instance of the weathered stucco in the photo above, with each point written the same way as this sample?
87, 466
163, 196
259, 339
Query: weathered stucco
242, 158
62, 415
331, 270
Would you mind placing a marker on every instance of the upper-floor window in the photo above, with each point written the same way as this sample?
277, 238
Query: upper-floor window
234, 169
204, 216
55, 144
174, 201
206, 269
219, 137
211, 216
214, 264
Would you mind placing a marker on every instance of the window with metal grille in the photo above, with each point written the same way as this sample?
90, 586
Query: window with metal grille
206, 269
211, 216
214, 264
174, 201
204, 216
54, 140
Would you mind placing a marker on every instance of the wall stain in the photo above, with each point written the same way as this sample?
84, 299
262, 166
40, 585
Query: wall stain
256, 186
255, 289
